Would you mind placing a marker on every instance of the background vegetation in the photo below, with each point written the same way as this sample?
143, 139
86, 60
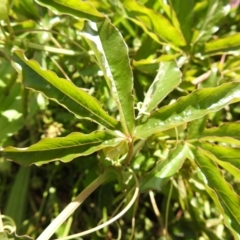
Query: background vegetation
188, 168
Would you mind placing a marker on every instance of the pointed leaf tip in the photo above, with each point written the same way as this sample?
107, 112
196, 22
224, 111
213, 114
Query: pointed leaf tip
63, 92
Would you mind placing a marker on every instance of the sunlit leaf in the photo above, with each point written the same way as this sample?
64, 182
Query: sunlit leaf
4, 8
167, 78
215, 11
232, 225
75, 8
11, 109
154, 21
225, 130
226, 140
223, 45
228, 199
226, 157
61, 148
112, 55
165, 169
62, 91
191, 107
152, 65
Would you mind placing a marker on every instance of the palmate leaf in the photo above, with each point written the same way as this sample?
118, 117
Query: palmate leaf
63, 92
75, 8
165, 169
61, 148
213, 178
112, 56
154, 21
168, 77
188, 108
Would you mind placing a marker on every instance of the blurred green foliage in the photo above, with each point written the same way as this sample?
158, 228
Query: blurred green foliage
188, 171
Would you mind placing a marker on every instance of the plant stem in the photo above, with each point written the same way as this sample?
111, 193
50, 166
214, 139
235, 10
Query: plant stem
113, 219
167, 209
55, 224
47, 48
1, 224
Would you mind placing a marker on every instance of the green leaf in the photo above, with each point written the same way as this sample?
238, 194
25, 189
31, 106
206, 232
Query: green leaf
61, 148
226, 157
196, 127
75, 8
11, 108
225, 213
154, 21
227, 133
165, 169
185, 13
18, 195
223, 45
228, 199
188, 108
216, 10
63, 92
112, 55
226, 140
167, 78
4, 8
225, 130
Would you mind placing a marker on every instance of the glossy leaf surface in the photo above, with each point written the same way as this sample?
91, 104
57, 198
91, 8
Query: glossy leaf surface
225, 130
63, 92
112, 55
61, 148
227, 216
214, 12
226, 157
223, 45
168, 77
75, 8
228, 199
165, 169
154, 21
191, 107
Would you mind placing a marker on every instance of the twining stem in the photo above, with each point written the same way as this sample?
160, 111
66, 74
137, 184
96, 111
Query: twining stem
113, 219
56, 223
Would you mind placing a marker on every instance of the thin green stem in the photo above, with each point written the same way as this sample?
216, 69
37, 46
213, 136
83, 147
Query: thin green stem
56, 223
3, 31
134, 197
54, 32
11, 33
47, 48
167, 208
45, 194
130, 153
